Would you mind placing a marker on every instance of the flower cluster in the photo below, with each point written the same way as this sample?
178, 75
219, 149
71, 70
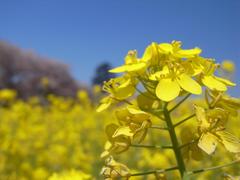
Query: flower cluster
165, 73
59, 139
169, 70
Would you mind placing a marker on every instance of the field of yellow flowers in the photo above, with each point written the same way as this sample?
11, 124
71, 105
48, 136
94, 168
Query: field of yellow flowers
61, 138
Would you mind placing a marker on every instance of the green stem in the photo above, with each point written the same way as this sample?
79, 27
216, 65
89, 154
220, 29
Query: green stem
154, 171
140, 92
185, 119
173, 136
180, 102
150, 146
156, 113
213, 168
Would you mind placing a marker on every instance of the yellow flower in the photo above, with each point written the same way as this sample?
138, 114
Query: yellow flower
212, 131
138, 121
159, 54
70, 175
172, 81
228, 103
175, 50
7, 94
105, 103
115, 170
119, 89
119, 139
228, 66
210, 80
132, 64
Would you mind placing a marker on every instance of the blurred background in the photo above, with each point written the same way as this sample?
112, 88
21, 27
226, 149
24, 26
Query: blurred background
54, 53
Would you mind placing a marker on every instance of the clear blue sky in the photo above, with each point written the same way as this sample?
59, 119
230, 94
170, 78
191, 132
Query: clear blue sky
85, 33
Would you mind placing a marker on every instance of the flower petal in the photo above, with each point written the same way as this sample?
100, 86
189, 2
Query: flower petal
119, 69
124, 93
189, 85
208, 143
136, 67
225, 81
123, 130
105, 103
167, 89
188, 53
165, 48
212, 83
231, 143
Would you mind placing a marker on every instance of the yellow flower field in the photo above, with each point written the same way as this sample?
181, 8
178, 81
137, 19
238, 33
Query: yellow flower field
59, 138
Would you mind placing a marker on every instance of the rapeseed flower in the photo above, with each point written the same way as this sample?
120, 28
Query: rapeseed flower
115, 170
212, 131
132, 64
172, 81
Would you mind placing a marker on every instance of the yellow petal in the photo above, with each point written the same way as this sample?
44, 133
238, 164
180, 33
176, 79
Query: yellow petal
119, 69
189, 85
123, 130
202, 118
123, 93
124, 83
231, 101
165, 48
148, 54
151, 54
134, 110
231, 142
208, 143
213, 84
138, 115
129, 68
167, 89
188, 53
136, 67
105, 103
225, 81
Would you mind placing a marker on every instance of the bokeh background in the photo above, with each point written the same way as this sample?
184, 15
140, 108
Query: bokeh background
53, 53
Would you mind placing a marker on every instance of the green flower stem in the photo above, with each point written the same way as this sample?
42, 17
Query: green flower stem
206, 98
173, 136
158, 127
214, 102
150, 146
140, 92
147, 88
213, 168
155, 171
180, 102
156, 113
185, 119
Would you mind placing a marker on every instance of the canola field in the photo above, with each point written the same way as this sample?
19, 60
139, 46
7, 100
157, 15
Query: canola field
130, 132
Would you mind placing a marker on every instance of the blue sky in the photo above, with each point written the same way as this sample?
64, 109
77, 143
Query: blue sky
86, 33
